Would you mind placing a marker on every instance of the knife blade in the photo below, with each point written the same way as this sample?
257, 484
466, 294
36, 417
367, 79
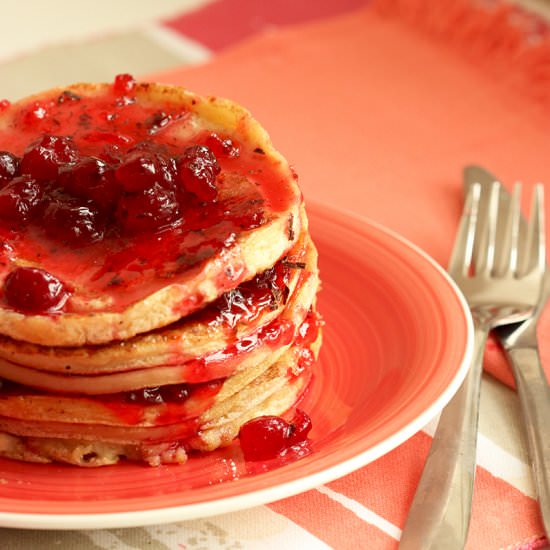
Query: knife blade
521, 347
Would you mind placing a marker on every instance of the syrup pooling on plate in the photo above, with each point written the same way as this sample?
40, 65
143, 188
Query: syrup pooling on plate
120, 194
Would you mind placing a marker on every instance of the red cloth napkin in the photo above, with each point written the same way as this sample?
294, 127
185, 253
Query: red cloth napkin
379, 110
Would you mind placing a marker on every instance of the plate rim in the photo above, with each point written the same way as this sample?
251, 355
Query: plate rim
172, 513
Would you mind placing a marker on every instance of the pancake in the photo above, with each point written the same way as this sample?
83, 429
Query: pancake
236, 315
272, 392
118, 286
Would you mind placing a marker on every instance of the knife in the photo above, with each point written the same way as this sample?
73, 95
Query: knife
521, 346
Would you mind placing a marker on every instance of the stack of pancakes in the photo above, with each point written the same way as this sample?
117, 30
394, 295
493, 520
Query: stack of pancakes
150, 363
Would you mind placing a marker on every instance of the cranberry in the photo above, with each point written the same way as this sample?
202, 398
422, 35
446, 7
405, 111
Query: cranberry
111, 154
74, 221
93, 179
175, 393
153, 209
222, 147
300, 427
144, 169
124, 84
44, 158
264, 437
20, 199
198, 169
9, 166
145, 396
265, 291
4, 105
35, 291
164, 394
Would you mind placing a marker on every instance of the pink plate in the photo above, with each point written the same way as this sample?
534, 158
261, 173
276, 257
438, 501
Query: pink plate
397, 344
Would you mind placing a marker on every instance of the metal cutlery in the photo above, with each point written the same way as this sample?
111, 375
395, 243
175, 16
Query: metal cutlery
521, 346
501, 277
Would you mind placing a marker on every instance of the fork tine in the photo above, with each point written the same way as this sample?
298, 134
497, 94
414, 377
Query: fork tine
509, 256
461, 257
486, 254
536, 249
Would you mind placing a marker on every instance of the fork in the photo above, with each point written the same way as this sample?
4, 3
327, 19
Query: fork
521, 345
501, 277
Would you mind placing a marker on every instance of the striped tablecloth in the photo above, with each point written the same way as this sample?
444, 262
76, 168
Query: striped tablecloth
395, 97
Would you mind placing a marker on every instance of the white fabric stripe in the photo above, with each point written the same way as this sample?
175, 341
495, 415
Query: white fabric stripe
498, 462
179, 45
362, 512
502, 464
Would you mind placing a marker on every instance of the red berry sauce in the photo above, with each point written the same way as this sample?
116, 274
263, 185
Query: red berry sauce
266, 291
44, 158
9, 166
266, 437
124, 84
107, 192
34, 291
222, 146
198, 169
20, 200
307, 334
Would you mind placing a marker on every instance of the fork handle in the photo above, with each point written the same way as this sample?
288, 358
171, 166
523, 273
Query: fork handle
440, 513
534, 397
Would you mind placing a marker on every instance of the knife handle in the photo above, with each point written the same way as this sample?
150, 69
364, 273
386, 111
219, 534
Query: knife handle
534, 397
439, 516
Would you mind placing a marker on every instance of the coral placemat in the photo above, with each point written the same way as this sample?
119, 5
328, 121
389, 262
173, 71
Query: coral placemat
379, 110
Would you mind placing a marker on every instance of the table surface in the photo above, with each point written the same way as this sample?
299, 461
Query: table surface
33, 56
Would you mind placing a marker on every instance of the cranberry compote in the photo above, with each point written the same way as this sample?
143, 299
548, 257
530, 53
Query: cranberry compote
266, 437
266, 291
74, 221
44, 158
9, 166
173, 393
127, 188
20, 200
263, 438
222, 147
299, 427
34, 291
198, 170
149, 210
124, 84
143, 170
92, 178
